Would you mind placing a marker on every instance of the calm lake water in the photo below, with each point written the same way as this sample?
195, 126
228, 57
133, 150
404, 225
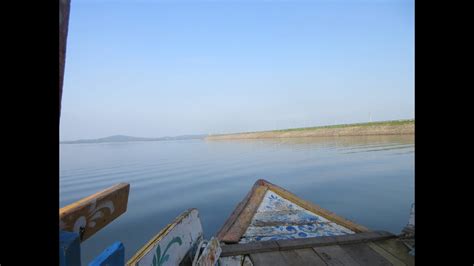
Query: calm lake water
369, 180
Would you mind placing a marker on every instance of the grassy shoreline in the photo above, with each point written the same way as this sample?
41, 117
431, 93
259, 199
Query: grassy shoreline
393, 127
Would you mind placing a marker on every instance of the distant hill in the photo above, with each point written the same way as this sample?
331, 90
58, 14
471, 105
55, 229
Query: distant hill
122, 138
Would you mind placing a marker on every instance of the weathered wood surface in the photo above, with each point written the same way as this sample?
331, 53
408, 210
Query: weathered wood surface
387, 255
338, 241
172, 243
306, 242
377, 252
231, 260
364, 255
239, 220
254, 247
397, 249
235, 261
305, 256
90, 214
273, 258
210, 254
281, 245
233, 217
332, 240
384, 249
335, 255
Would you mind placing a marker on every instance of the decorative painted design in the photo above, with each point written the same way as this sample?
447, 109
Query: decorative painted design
159, 259
277, 218
178, 239
94, 213
268, 218
90, 214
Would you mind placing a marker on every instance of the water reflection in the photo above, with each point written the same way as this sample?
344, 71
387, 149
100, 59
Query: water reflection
368, 179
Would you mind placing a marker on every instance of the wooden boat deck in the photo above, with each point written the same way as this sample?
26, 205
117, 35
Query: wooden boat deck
367, 248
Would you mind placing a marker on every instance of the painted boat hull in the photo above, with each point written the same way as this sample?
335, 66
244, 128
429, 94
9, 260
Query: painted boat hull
270, 212
173, 243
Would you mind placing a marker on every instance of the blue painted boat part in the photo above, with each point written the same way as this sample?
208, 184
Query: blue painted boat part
114, 255
278, 218
69, 249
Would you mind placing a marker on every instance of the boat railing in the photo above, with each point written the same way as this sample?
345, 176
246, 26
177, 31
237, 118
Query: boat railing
84, 218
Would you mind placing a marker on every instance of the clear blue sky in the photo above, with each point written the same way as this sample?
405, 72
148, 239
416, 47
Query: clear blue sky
165, 68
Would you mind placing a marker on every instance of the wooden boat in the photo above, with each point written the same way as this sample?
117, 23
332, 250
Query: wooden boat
269, 212
272, 226
174, 243
269, 223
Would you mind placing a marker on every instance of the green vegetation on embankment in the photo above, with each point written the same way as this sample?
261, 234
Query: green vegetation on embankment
395, 127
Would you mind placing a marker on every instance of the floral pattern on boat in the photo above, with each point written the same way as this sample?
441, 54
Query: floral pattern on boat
277, 218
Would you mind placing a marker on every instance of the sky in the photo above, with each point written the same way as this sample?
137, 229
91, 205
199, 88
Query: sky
155, 68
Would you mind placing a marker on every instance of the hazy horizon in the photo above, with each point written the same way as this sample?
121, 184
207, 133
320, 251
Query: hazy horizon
157, 68
122, 135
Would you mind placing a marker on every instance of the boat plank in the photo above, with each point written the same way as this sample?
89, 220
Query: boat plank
242, 219
90, 214
173, 243
289, 244
263, 246
332, 240
231, 260
363, 237
335, 255
393, 260
305, 256
253, 247
364, 255
238, 209
273, 258
397, 249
